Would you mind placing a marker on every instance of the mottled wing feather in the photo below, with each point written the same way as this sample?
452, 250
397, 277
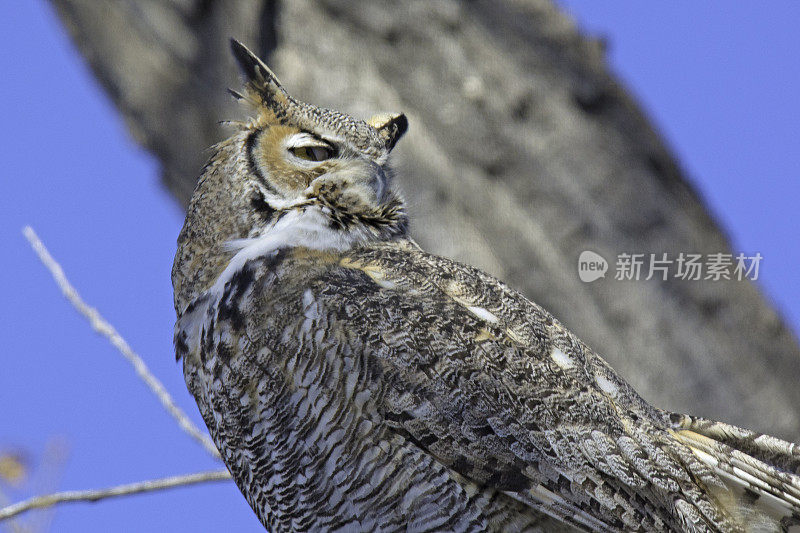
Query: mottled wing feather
781, 454
475, 373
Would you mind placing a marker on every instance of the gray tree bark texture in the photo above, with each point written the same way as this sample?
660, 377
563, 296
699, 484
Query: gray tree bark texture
523, 151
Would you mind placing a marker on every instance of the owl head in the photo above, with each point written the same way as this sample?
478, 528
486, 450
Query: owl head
293, 175
293, 144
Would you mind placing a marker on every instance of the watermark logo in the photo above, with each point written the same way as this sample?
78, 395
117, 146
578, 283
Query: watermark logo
683, 266
591, 266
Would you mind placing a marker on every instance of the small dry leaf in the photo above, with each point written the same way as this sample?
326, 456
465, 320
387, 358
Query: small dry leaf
12, 469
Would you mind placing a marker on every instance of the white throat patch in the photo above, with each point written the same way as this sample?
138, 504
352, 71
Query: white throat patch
309, 228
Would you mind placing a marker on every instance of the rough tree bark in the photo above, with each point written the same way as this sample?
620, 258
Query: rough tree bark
523, 151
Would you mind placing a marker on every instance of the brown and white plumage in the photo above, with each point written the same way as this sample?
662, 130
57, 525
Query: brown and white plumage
355, 382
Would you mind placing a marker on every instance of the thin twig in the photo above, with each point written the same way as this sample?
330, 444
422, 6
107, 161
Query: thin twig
101, 325
40, 502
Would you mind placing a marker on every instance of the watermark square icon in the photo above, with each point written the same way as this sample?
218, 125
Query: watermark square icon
591, 266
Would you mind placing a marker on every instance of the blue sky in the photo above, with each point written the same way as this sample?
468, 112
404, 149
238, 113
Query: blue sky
720, 80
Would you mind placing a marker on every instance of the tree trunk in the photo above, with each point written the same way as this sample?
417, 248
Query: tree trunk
522, 152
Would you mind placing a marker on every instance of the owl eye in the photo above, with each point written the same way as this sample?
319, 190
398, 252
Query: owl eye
312, 153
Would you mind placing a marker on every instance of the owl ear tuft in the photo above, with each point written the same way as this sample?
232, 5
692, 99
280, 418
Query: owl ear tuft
253, 69
261, 85
390, 126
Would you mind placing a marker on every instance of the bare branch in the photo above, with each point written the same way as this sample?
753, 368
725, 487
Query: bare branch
104, 328
40, 502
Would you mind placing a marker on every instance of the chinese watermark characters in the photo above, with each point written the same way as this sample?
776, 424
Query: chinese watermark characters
663, 266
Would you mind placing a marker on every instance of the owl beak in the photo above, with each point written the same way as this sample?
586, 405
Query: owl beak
370, 183
379, 184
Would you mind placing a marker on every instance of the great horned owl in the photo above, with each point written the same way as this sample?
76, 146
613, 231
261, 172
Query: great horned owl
354, 382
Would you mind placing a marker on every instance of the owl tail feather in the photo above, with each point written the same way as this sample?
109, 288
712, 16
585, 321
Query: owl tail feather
761, 473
